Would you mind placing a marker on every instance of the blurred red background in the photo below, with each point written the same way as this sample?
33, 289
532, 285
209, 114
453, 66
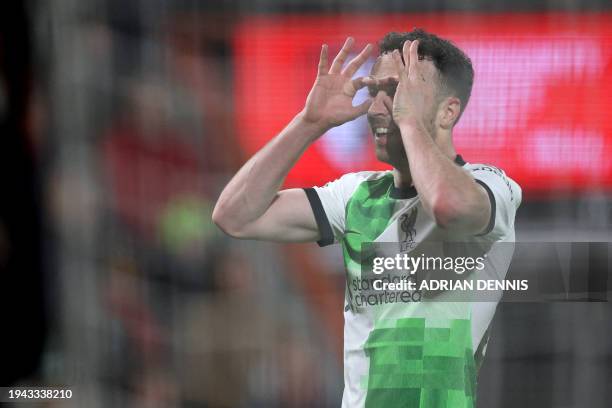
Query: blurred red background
537, 110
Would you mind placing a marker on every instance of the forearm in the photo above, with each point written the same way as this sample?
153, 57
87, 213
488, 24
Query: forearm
447, 192
251, 191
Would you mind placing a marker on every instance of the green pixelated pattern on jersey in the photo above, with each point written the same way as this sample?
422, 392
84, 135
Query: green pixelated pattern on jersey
412, 365
368, 213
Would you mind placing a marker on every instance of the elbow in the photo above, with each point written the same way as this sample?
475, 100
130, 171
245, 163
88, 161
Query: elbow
445, 214
219, 218
225, 222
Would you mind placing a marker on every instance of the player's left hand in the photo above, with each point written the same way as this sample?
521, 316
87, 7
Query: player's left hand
415, 94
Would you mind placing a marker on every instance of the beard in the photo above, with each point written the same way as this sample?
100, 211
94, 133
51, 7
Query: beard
392, 152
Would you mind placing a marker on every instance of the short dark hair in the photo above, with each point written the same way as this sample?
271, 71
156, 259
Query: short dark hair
454, 66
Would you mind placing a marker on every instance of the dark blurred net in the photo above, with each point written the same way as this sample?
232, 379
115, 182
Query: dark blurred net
152, 106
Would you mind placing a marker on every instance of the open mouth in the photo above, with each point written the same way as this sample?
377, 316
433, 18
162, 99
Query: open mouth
379, 131
380, 135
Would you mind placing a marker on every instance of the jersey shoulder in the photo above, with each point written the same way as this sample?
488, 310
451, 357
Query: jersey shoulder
349, 183
494, 176
367, 175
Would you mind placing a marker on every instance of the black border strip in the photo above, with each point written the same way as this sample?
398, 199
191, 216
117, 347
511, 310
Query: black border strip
491, 224
325, 229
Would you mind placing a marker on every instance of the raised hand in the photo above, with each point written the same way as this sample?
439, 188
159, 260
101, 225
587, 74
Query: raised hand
415, 94
330, 101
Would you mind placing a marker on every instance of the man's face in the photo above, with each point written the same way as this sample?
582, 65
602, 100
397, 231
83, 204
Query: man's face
387, 138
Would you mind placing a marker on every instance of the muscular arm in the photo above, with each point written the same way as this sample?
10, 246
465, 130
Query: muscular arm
447, 192
251, 205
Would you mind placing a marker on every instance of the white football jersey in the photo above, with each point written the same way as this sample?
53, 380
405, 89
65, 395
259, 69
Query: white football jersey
397, 351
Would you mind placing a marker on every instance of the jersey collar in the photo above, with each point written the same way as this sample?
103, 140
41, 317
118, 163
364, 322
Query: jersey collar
403, 193
459, 160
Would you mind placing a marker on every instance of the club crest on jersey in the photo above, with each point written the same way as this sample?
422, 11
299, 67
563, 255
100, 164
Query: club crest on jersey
407, 222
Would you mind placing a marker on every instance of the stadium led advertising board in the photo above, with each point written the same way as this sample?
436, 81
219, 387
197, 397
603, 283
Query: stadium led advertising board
538, 107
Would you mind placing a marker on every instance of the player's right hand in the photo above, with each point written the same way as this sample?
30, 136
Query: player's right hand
330, 101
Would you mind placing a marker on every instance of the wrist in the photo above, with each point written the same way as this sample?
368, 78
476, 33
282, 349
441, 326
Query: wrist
312, 129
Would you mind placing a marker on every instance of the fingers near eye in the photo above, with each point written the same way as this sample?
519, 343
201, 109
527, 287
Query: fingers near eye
406, 52
341, 57
350, 88
369, 81
358, 61
399, 65
358, 83
414, 56
323, 60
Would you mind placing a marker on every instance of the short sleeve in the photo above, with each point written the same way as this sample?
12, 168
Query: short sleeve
505, 196
329, 206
